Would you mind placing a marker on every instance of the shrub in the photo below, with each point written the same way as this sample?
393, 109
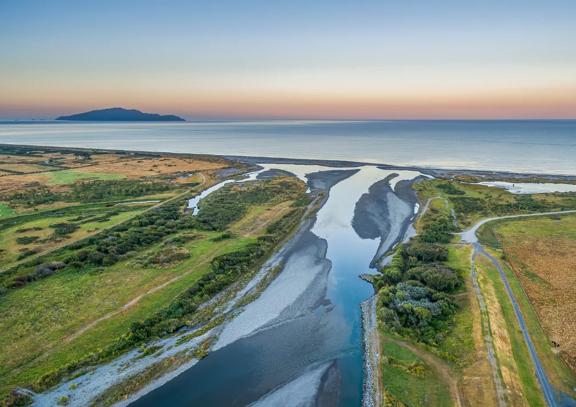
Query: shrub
436, 276
23, 240
64, 228
450, 189
426, 252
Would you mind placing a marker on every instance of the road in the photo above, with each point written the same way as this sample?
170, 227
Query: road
469, 236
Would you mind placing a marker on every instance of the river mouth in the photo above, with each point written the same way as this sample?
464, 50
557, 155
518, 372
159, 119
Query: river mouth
301, 340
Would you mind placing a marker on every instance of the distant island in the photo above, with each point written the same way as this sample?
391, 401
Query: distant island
118, 114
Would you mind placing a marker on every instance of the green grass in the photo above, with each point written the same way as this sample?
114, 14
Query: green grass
66, 177
522, 361
10, 249
560, 226
408, 379
6, 211
36, 318
479, 201
458, 346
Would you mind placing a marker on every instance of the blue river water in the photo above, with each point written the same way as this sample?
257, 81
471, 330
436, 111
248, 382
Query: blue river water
311, 350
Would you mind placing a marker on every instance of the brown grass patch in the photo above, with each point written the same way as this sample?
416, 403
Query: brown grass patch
501, 338
546, 268
131, 167
259, 218
476, 383
149, 167
23, 168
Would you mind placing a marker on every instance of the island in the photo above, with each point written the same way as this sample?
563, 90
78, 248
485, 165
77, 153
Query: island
119, 114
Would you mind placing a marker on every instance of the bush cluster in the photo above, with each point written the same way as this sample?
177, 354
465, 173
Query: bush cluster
415, 291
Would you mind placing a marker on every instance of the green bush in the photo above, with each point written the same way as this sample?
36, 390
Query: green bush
23, 240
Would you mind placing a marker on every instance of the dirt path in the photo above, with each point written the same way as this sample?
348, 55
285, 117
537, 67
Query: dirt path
427, 206
137, 299
208, 257
440, 366
488, 339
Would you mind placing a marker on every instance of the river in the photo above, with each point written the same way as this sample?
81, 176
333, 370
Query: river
300, 342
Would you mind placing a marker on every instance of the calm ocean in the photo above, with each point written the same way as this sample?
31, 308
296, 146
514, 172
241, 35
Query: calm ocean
512, 145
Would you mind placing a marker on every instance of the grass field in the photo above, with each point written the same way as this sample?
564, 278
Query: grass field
474, 202
512, 353
41, 229
66, 177
24, 168
61, 319
39, 319
542, 253
409, 379
5, 210
62, 169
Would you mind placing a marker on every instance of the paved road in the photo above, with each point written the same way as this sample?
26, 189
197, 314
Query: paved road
469, 236
547, 389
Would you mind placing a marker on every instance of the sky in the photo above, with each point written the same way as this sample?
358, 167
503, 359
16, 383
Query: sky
316, 59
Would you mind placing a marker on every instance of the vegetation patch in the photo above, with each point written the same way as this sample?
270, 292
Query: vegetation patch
415, 291
409, 380
542, 255
473, 202
65, 177
6, 210
78, 322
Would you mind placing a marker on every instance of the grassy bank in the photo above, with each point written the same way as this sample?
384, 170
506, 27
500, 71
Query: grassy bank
539, 257
409, 379
107, 301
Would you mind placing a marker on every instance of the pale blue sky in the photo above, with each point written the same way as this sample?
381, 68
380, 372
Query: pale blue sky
299, 58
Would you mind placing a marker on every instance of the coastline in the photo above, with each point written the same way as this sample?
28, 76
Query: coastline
372, 389
438, 172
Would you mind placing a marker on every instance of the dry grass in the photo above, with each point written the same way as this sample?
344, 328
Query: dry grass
258, 218
23, 168
476, 384
147, 167
501, 338
132, 167
546, 268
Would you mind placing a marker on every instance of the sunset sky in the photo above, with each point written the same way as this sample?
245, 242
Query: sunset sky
321, 59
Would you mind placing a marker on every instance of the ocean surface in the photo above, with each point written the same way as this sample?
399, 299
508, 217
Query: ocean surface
547, 146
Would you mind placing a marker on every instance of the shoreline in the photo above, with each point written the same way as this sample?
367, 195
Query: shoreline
252, 160
372, 394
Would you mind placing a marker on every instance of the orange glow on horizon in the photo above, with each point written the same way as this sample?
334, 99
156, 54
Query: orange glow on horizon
547, 103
